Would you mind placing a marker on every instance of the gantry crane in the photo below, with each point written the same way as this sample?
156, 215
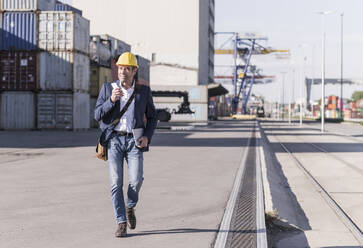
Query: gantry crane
244, 47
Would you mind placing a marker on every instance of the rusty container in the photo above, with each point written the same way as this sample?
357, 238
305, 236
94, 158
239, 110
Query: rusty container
18, 70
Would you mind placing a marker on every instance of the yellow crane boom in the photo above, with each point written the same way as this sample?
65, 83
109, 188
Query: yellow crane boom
263, 51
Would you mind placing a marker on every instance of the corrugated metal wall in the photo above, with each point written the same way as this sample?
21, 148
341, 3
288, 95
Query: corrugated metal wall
93, 122
100, 51
18, 31
17, 110
63, 71
27, 5
63, 110
144, 70
64, 31
98, 76
59, 6
117, 46
18, 70
55, 110
81, 111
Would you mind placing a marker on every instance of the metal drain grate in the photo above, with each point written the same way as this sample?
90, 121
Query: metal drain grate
243, 225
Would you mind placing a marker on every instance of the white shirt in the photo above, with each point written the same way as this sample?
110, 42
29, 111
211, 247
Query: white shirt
126, 123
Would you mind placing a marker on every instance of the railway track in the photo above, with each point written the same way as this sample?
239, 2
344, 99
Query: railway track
338, 209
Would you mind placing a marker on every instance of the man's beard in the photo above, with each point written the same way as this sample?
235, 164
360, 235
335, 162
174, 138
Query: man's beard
124, 80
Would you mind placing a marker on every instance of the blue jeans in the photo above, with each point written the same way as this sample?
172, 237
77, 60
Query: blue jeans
120, 148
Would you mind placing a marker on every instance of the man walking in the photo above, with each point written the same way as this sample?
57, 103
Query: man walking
117, 133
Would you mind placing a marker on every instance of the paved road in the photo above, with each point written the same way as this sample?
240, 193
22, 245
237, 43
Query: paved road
54, 193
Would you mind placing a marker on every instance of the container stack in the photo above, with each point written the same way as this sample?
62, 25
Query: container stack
63, 99
143, 73
45, 65
59, 6
18, 61
100, 69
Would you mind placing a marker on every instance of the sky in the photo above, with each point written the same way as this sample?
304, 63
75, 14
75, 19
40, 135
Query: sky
295, 25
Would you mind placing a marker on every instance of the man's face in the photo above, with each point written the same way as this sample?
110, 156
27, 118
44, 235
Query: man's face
126, 73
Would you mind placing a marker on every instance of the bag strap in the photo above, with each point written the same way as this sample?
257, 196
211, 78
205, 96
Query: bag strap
116, 121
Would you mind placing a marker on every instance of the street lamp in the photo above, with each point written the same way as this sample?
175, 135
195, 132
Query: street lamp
322, 105
302, 75
283, 93
341, 69
292, 94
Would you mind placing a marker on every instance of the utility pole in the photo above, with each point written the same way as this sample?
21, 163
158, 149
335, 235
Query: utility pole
322, 106
341, 69
235, 106
283, 94
292, 94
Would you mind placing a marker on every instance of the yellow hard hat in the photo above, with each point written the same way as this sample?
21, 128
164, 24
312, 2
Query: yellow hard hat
127, 58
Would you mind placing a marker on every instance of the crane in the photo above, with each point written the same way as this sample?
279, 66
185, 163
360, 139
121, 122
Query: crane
245, 45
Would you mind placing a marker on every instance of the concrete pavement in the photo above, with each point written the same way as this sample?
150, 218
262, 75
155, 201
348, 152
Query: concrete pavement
54, 193
294, 195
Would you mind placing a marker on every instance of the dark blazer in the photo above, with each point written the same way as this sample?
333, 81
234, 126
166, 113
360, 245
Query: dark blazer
106, 112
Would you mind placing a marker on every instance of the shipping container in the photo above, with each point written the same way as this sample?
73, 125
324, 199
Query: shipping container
63, 31
353, 106
93, 122
63, 110
117, 46
64, 71
100, 51
114, 69
332, 106
59, 6
18, 70
355, 114
17, 110
81, 110
143, 72
98, 76
27, 5
18, 31
55, 110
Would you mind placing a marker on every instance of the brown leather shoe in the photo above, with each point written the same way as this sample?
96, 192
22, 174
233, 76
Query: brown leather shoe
131, 218
121, 230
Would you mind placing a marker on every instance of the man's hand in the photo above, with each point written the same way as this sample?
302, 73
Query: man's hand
116, 94
142, 142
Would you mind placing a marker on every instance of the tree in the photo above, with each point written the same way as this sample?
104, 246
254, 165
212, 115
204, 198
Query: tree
357, 95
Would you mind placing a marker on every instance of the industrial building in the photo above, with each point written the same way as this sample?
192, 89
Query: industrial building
176, 36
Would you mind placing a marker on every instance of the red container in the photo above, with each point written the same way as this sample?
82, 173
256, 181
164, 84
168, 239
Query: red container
332, 106
355, 114
18, 70
353, 105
